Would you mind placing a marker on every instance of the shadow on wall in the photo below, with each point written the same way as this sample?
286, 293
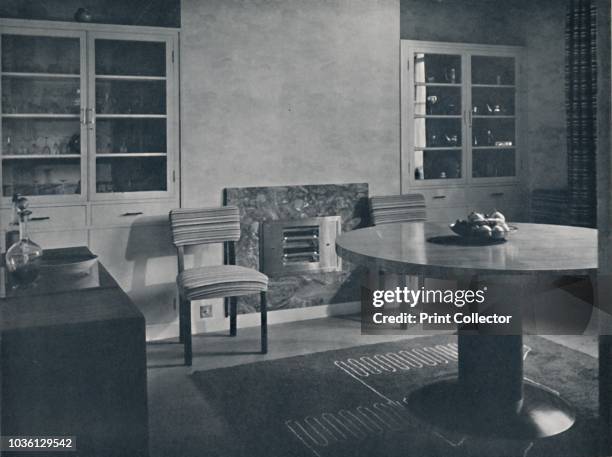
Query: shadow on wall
152, 257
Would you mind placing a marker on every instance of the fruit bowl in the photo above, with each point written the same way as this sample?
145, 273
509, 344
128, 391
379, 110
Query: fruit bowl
482, 228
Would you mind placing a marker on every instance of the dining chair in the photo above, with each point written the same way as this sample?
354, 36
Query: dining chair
391, 209
199, 226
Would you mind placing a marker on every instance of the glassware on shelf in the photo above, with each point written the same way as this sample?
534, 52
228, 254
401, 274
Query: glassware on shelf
46, 149
431, 101
8, 150
451, 75
23, 258
74, 145
123, 148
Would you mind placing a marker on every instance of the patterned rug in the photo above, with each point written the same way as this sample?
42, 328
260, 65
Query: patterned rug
354, 402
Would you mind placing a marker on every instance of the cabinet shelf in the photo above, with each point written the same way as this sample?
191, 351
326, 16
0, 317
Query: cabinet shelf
39, 116
131, 77
437, 84
131, 116
493, 116
494, 147
17, 74
438, 116
495, 86
132, 154
439, 148
39, 156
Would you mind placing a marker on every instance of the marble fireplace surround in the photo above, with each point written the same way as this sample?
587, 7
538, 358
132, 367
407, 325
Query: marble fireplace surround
299, 289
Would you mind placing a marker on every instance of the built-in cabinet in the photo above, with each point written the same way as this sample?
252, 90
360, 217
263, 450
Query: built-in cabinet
461, 127
89, 128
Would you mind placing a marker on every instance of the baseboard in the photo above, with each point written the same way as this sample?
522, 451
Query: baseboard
280, 316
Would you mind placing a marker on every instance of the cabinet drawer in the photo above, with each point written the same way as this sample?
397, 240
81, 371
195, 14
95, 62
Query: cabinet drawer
489, 198
443, 198
123, 214
52, 217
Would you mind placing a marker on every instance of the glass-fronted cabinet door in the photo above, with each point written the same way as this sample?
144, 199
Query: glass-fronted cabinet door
493, 117
130, 116
437, 123
42, 114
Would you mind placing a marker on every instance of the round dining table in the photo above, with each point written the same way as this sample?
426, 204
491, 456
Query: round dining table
490, 395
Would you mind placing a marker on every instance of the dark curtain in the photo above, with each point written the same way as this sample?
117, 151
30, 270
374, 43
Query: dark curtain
581, 107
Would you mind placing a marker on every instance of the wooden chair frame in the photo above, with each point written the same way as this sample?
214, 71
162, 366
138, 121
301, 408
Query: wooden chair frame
185, 336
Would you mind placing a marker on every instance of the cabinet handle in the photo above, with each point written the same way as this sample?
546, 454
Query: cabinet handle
40, 218
497, 194
439, 197
83, 117
91, 118
135, 213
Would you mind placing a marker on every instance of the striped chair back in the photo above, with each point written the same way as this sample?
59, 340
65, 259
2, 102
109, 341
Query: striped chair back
388, 209
192, 226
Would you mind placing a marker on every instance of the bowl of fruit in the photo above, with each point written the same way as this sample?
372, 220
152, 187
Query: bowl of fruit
483, 228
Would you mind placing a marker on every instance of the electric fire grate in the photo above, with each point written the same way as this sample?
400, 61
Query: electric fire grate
300, 245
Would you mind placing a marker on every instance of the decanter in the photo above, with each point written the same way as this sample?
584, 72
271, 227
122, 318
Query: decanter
23, 258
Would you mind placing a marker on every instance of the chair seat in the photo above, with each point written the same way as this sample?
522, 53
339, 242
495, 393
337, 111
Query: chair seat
220, 281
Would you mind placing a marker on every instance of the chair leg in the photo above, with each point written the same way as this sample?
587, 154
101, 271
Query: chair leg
181, 316
233, 312
187, 333
264, 322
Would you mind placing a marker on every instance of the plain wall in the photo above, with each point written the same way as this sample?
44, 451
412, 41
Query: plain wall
281, 92
539, 27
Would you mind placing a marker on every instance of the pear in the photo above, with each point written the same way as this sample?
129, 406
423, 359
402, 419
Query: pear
497, 215
483, 231
475, 217
498, 232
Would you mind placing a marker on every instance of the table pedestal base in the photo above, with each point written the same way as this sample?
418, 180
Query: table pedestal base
446, 404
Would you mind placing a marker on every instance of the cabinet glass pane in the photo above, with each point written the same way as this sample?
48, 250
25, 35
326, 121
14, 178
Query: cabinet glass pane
130, 58
130, 174
493, 101
438, 164
40, 95
493, 163
493, 70
437, 68
437, 132
32, 177
52, 137
489, 131
130, 97
437, 101
131, 136
40, 54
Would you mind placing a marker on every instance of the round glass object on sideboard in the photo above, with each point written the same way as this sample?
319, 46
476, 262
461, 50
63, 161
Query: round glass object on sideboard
24, 257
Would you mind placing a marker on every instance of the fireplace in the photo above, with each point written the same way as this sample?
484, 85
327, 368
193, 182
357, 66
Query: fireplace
290, 246
289, 232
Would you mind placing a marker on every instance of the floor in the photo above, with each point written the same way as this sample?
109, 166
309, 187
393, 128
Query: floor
178, 420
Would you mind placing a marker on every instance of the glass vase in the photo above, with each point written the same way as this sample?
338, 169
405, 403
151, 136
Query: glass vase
23, 258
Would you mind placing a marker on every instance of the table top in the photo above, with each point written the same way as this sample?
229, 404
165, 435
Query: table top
532, 249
